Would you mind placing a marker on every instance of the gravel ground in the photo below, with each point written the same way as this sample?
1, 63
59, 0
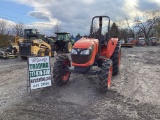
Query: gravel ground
134, 94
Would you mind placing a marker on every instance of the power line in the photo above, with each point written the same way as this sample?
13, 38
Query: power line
8, 17
13, 18
10, 10
22, 22
13, 11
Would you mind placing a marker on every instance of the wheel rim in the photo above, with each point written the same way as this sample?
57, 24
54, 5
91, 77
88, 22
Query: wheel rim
69, 47
66, 74
110, 76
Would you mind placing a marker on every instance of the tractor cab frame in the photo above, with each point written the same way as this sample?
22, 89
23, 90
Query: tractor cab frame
63, 42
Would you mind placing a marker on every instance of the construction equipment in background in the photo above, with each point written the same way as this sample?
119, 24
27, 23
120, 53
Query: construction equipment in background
129, 43
153, 41
141, 41
32, 45
7, 55
12, 50
3, 55
134, 41
101, 51
63, 42
50, 41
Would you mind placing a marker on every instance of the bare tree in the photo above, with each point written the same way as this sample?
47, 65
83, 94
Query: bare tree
144, 25
3, 25
157, 29
18, 29
120, 23
129, 26
57, 28
126, 20
125, 28
147, 22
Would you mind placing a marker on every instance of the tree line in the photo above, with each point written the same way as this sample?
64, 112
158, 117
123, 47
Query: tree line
7, 35
146, 25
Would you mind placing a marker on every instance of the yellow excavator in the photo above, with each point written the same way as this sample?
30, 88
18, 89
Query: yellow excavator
32, 45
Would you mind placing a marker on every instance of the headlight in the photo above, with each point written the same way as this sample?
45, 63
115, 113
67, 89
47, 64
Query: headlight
74, 51
85, 52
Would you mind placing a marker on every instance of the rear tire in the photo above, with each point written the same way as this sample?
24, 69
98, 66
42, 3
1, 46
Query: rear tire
23, 57
116, 58
56, 47
68, 47
105, 76
48, 53
60, 76
40, 53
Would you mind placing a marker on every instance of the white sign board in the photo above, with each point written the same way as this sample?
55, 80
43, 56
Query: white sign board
39, 72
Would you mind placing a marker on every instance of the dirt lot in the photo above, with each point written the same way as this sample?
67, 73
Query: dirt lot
134, 94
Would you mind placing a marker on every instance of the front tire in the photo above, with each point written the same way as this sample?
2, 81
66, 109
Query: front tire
116, 58
23, 57
60, 76
105, 76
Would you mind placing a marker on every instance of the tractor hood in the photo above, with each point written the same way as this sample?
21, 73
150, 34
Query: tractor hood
84, 43
84, 52
38, 41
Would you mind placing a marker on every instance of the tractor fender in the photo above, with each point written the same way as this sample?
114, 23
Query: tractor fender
111, 47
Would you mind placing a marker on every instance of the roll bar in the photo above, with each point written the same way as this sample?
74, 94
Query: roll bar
100, 26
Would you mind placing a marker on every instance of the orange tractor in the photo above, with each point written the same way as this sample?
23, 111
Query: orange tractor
103, 52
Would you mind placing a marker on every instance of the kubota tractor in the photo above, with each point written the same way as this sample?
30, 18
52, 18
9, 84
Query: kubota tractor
101, 51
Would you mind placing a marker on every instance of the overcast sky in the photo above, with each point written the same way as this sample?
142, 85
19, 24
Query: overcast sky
74, 16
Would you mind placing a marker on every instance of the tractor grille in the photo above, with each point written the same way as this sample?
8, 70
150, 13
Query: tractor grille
25, 49
81, 59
